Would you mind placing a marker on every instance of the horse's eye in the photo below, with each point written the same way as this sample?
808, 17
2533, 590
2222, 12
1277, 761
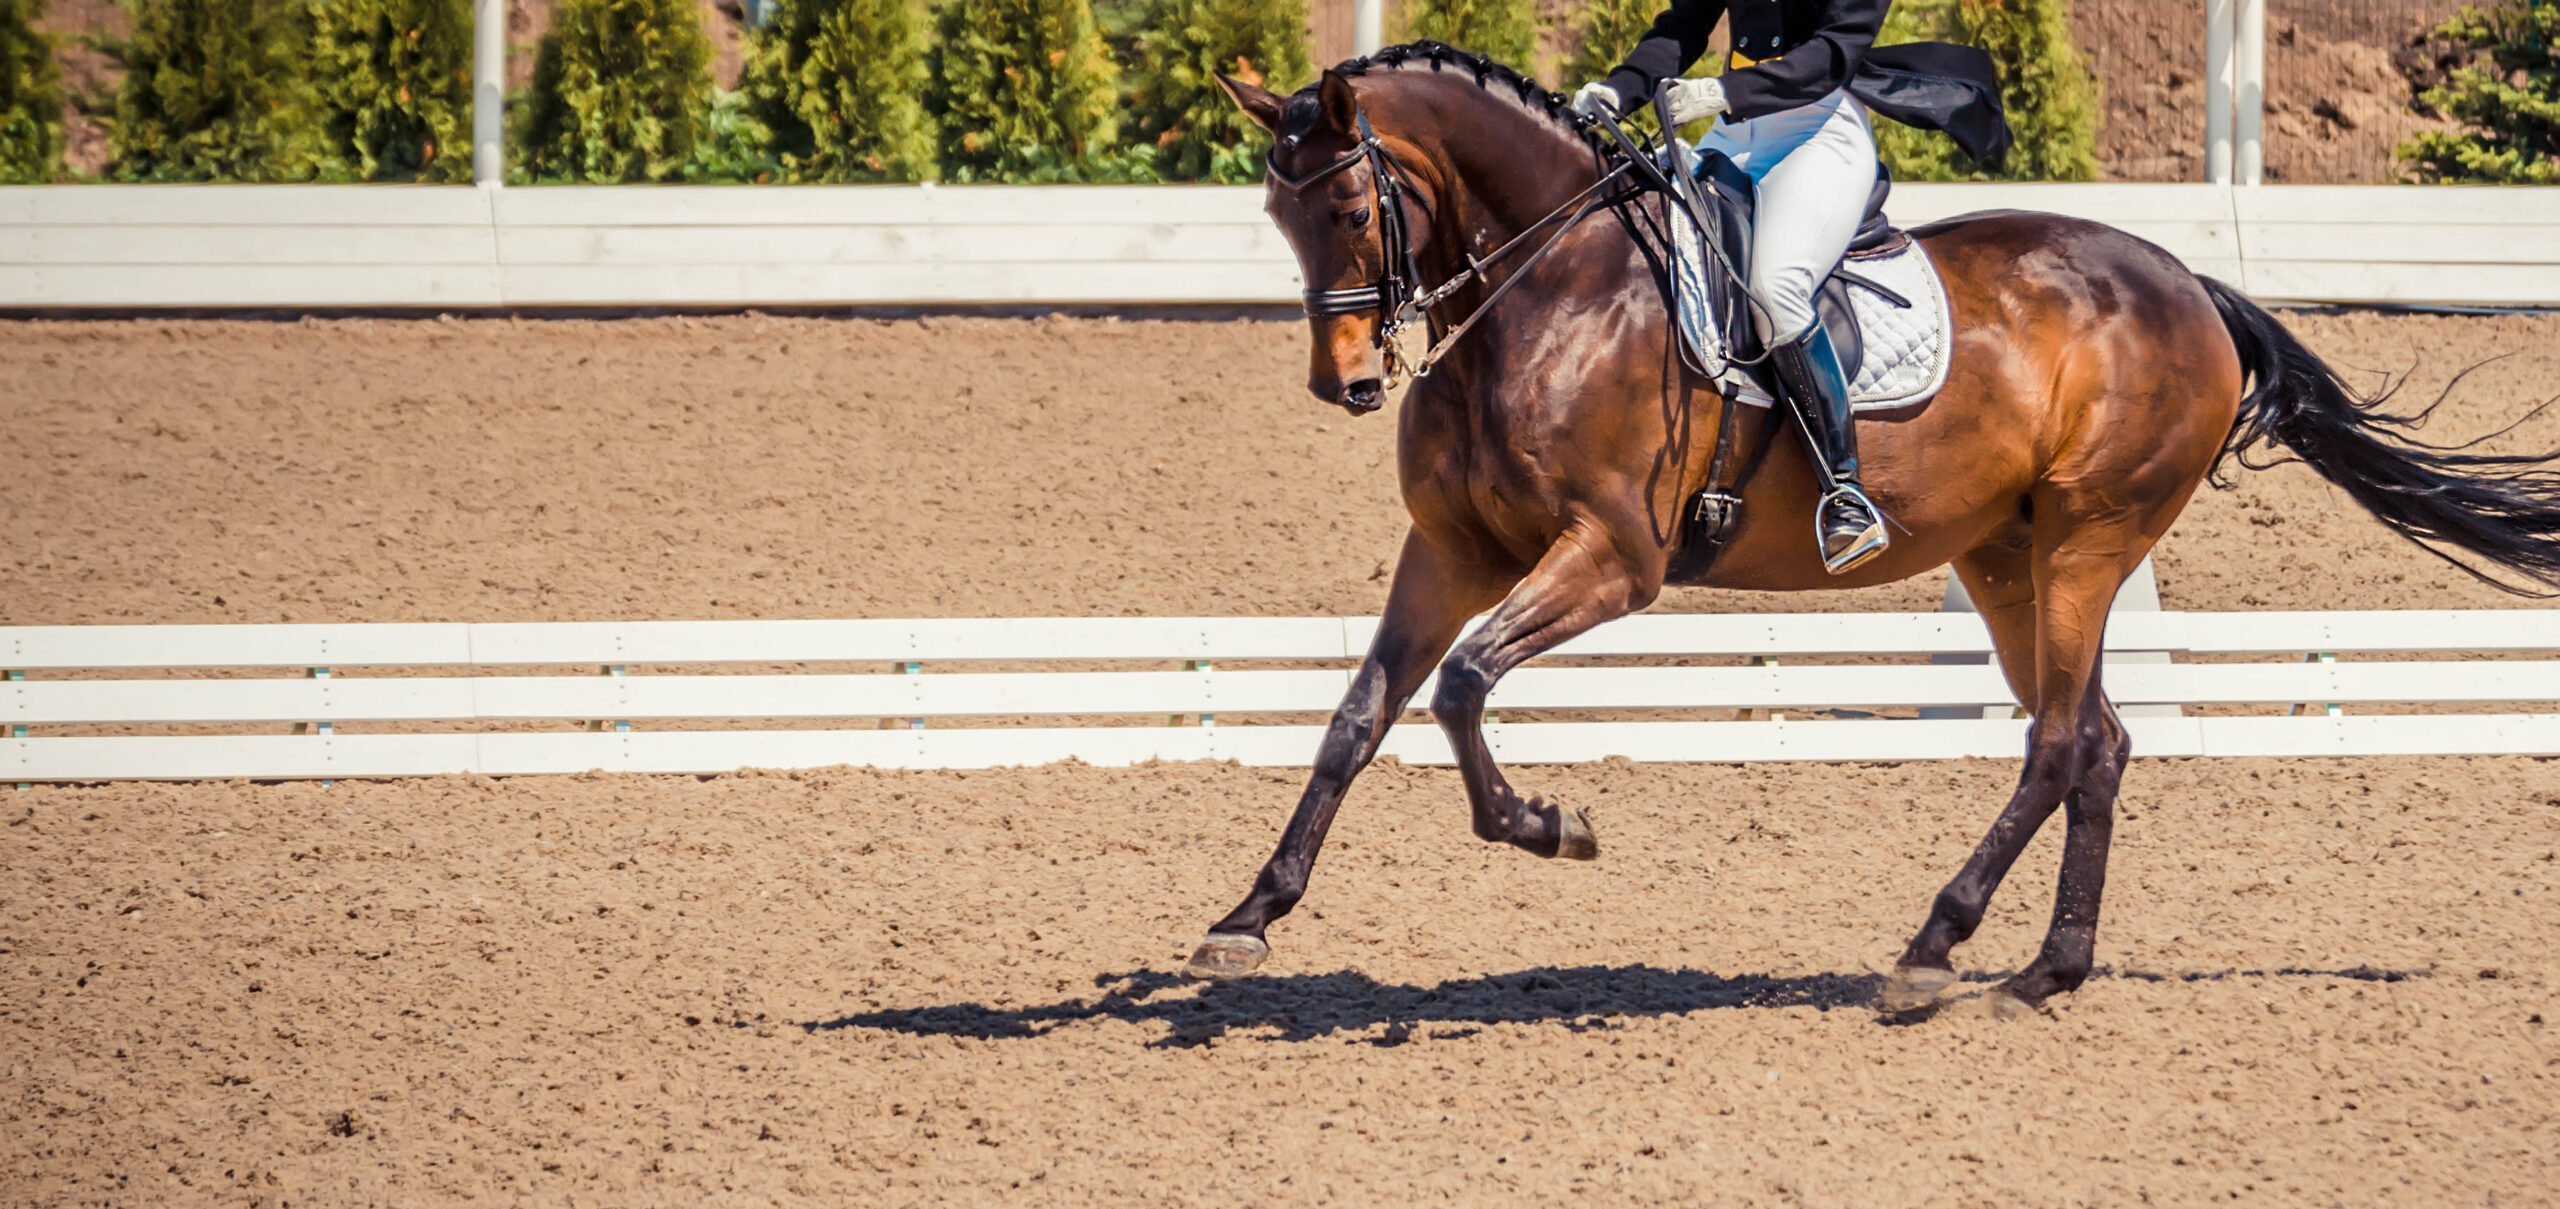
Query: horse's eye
1358, 218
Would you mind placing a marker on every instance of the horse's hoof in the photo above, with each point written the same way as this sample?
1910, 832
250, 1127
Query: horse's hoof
1226, 956
1913, 989
1574, 841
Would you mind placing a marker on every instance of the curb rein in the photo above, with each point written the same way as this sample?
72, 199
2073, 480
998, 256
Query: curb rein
1396, 294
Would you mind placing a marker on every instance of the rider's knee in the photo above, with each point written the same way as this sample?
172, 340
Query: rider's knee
1785, 296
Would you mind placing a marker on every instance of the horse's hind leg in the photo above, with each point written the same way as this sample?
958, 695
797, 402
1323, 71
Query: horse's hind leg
2076, 752
1432, 596
1580, 583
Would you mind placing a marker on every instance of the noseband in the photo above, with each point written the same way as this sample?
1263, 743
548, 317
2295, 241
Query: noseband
1397, 295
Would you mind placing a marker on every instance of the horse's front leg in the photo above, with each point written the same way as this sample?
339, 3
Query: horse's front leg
1429, 602
1580, 583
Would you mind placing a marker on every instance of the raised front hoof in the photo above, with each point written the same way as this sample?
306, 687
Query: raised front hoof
1574, 840
1914, 989
1225, 956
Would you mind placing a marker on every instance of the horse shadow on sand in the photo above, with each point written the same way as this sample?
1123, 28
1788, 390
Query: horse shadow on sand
1361, 1009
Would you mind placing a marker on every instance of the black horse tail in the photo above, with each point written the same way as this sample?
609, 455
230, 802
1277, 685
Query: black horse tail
2503, 509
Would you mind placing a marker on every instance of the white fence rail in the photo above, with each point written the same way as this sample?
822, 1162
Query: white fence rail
80, 247
1251, 714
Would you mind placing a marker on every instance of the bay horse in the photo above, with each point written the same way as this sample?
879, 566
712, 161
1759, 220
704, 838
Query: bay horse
1545, 458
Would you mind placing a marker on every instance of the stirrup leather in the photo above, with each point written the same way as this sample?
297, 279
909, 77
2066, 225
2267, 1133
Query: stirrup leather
1869, 542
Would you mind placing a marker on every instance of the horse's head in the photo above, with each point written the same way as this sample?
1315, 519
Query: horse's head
1352, 216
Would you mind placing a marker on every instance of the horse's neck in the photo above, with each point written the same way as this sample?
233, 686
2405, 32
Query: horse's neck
1495, 187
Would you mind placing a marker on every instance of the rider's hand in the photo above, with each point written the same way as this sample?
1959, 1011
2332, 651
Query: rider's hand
1691, 100
1597, 101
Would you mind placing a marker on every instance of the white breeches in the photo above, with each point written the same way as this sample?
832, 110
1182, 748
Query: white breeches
1814, 167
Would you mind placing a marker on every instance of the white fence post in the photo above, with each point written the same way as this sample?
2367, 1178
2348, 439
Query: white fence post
489, 93
1368, 26
2219, 81
2249, 93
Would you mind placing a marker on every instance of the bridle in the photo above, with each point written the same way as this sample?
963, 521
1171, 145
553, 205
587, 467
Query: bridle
1397, 294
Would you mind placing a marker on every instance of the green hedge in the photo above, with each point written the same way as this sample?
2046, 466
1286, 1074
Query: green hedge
392, 79
1505, 30
1194, 131
839, 85
2512, 112
30, 99
214, 91
1025, 90
1609, 31
621, 92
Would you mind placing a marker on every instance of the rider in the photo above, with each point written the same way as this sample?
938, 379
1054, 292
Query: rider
1792, 123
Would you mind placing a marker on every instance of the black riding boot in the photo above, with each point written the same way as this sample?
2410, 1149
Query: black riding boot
1846, 523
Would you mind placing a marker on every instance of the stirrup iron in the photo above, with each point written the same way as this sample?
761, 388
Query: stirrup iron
1869, 542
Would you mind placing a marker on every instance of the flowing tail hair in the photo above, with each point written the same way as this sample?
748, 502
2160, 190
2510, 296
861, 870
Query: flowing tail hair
2504, 509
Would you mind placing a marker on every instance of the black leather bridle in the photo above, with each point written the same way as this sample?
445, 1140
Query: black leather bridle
1397, 295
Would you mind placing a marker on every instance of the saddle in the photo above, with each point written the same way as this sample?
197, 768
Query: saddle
1728, 202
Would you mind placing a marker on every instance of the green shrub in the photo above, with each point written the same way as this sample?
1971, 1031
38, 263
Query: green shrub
621, 91
2045, 85
1502, 30
1025, 90
2513, 112
1197, 133
391, 80
840, 85
213, 91
1609, 30
734, 148
30, 99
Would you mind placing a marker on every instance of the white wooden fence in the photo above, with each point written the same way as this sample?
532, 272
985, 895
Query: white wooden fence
1225, 706
80, 247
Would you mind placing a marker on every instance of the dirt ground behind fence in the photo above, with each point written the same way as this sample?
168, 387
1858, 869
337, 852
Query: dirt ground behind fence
2326, 981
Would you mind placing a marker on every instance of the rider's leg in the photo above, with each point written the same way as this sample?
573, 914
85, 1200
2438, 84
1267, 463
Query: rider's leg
1810, 205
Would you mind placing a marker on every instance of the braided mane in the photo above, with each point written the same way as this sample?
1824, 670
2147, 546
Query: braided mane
1494, 77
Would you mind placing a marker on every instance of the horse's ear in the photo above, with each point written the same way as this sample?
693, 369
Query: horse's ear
1339, 106
1259, 103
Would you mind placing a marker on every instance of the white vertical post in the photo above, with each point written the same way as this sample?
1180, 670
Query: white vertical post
2249, 93
1368, 26
2220, 78
489, 92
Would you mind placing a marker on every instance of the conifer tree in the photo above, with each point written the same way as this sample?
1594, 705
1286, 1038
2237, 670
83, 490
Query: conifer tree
2044, 84
2510, 103
1026, 91
1197, 133
1610, 30
1505, 31
30, 99
840, 85
621, 89
213, 91
392, 83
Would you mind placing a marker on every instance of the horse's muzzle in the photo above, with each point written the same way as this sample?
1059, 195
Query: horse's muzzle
1364, 396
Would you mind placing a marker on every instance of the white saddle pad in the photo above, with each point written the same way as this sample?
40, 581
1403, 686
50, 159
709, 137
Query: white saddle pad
1906, 348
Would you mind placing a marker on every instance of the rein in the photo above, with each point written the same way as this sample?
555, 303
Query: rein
1397, 294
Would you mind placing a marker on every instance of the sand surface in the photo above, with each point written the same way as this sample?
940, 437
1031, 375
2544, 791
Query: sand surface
2324, 982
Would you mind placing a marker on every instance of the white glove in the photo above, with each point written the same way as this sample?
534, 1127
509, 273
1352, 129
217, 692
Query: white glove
1597, 101
1694, 99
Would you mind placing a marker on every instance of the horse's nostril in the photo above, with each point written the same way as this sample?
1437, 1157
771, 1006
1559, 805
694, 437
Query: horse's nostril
1367, 394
